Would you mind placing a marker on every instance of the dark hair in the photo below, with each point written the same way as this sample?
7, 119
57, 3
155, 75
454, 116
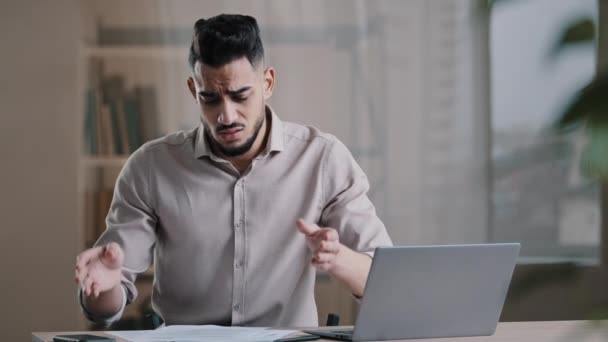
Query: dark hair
224, 38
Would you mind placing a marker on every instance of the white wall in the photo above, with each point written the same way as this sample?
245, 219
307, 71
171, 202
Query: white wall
38, 149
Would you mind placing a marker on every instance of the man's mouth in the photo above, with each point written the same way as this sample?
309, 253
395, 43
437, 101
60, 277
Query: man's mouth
230, 134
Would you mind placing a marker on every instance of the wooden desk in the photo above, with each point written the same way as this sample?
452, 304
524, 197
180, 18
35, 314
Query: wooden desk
556, 331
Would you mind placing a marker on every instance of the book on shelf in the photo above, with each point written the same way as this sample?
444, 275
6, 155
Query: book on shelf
90, 130
147, 104
121, 129
106, 131
133, 120
117, 120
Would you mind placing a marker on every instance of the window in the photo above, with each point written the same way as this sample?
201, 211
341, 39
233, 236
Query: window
539, 196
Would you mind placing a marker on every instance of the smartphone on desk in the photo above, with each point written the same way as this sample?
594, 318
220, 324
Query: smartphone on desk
82, 338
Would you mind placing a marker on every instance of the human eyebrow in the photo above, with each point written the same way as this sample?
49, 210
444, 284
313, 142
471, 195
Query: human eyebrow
238, 91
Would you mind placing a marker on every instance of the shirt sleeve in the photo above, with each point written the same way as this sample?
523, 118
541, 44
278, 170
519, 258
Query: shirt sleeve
106, 321
347, 207
131, 221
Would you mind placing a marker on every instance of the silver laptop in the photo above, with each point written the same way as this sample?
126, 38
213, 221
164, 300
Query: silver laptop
432, 291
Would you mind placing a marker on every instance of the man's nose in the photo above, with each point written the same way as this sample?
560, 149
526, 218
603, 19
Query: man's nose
228, 114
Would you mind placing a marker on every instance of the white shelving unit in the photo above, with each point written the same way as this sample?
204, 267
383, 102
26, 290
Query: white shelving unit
94, 161
154, 52
110, 165
98, 172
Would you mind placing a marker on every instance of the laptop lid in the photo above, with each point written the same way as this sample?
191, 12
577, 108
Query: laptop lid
435, 291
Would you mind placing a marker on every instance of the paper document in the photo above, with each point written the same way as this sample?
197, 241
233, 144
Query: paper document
191, 333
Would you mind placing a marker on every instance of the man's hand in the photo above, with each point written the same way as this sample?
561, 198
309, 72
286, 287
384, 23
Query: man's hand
324, 244
98, 269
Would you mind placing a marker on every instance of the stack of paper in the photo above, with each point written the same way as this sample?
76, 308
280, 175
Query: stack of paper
191, 333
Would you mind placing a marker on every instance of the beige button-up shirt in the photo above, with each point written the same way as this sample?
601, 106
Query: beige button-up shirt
225, 245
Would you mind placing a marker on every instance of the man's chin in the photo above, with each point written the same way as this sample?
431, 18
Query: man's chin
234, 150
230, 144
231, 147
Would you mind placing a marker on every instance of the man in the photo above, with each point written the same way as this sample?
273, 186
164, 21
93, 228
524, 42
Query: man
238, 213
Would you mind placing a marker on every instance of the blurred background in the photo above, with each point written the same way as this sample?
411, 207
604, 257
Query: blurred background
475, 121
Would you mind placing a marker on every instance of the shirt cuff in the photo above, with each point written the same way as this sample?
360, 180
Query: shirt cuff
106, 321
369, 253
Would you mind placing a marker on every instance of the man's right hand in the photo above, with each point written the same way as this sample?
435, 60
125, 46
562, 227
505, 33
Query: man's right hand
98, 269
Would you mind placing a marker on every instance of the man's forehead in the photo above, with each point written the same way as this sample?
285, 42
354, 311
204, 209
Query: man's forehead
224, 86
232, 75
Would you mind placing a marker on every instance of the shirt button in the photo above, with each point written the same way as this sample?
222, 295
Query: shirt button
239, 223
238, 264
237, 307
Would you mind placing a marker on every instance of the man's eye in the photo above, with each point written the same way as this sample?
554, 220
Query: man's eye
239, 98
210, 99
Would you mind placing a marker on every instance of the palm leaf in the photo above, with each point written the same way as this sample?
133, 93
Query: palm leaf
594, 163
579, 32
591, 101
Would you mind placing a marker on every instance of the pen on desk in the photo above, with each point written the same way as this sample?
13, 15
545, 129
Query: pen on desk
298, 338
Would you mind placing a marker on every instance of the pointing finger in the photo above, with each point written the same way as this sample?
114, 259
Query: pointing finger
307, 229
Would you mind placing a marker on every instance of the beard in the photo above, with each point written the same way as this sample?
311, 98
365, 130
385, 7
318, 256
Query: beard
237, 150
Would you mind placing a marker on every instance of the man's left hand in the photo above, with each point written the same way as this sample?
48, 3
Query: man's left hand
324, 244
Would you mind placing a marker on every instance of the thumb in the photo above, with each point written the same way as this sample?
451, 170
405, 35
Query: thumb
112, 255
307, 229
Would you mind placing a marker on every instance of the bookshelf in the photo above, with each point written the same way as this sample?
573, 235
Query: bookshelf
123, 88
93, 161
99, 167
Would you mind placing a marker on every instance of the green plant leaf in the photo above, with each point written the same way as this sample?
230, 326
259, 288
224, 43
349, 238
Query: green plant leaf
591, 101
597, 315
579, 32
594, 161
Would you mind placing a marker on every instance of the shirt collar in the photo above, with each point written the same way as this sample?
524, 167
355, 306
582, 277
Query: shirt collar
275, 138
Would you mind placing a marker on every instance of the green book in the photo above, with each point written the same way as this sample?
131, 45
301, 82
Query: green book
133, 123
116, 129
90, 129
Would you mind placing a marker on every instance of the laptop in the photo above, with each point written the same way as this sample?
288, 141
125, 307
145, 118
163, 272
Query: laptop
432, 292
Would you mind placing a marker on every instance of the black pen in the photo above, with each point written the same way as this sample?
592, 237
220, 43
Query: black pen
298, 338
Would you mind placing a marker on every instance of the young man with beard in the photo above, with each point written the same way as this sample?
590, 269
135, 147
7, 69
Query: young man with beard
237, 214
